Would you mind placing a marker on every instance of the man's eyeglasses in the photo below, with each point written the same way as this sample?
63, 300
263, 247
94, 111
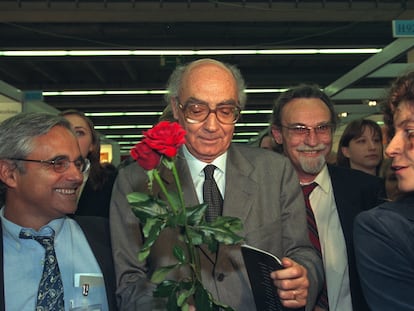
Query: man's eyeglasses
199, 112
301, 130
61, 164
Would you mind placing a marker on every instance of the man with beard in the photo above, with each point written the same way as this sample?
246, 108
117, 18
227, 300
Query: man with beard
303, 123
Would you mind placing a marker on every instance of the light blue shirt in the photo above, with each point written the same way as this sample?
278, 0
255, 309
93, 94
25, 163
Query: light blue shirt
197, 174
23, 266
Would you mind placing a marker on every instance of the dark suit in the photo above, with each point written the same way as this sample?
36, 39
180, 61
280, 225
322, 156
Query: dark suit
354, 192
262, 190
384, 250
96, 230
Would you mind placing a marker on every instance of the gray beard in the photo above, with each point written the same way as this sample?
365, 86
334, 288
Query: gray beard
312, 165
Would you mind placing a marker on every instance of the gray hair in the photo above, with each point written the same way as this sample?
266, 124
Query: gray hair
18, 133
175, 80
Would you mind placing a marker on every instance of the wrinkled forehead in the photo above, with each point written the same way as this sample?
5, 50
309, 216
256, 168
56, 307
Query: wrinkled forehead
307, 111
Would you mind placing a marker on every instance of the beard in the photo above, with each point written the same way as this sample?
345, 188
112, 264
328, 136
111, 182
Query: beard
312, 165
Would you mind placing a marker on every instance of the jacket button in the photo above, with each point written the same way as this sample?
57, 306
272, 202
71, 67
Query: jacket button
220, 277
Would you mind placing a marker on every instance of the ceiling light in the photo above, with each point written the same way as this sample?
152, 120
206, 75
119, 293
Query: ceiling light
76, 53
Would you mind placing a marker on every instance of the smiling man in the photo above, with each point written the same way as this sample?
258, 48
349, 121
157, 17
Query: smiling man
52, 262
303, 123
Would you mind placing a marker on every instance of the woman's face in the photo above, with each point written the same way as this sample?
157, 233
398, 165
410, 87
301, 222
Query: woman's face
83, 133
401, 146
365, 152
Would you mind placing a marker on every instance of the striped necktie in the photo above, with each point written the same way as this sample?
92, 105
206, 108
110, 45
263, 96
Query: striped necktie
322, 300
50, 293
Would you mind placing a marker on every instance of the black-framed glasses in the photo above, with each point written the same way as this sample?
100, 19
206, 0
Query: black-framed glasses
198, 112
61, 164
302, 130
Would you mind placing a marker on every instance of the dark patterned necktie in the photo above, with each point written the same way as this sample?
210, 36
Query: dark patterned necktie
211, 194
50, 293
322, 300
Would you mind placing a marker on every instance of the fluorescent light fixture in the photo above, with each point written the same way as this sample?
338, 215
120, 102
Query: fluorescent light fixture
264, 111
122, 127
251, 124
103, 92
76, 53
122, 114
138, 92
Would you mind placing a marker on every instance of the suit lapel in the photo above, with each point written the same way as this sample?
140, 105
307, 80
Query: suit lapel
239, 186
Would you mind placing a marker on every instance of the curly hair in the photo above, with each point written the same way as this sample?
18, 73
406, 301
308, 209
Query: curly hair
401, 90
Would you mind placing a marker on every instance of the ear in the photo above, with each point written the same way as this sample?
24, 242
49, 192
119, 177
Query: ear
345, 152
277, 134
8, 173
174, 107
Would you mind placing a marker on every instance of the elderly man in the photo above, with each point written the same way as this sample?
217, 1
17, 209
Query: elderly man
303, 123
259, 187
52, 262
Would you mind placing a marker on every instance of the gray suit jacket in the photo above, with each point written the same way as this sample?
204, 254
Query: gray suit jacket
262, 189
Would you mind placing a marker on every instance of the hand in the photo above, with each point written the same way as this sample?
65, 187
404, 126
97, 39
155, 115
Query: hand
292, 284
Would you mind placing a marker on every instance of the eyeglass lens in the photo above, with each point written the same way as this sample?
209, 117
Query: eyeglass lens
196, 113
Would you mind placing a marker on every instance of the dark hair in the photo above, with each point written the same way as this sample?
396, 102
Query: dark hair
354, 130
302, 91
402, 89
97, 173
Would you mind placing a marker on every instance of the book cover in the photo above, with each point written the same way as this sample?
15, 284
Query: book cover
259, 264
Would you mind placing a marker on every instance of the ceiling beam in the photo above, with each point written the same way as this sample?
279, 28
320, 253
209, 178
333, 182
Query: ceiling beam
387, 55
213, 11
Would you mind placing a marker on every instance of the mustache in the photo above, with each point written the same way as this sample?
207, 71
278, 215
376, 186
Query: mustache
319, 147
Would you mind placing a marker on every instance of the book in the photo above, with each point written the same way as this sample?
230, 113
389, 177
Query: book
259, 264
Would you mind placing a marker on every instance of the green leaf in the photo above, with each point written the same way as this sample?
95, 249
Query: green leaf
179, 254
176, 220
153, 227
203, 300
152, 235
223, 230
195, 237
160, 274
175, 200
195, 214
143, 254
150, 208
165, 288
183, 296
136, 197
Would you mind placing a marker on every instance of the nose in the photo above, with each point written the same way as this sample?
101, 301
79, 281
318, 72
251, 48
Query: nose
371, 145
73, 173
212, 122
395, 146
311, 138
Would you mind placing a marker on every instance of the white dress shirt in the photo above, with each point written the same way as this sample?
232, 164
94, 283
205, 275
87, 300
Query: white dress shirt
197, 174
332, 241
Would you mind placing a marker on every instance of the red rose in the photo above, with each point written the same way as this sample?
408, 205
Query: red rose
146, 157
165, 138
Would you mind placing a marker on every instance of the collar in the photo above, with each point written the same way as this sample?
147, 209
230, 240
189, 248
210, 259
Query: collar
12, 230
323, 179
196, 166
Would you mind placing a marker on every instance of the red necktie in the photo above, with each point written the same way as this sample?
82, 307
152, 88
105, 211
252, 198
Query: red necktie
322, 300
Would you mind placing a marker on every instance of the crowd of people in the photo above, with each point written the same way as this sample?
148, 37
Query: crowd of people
342, 228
